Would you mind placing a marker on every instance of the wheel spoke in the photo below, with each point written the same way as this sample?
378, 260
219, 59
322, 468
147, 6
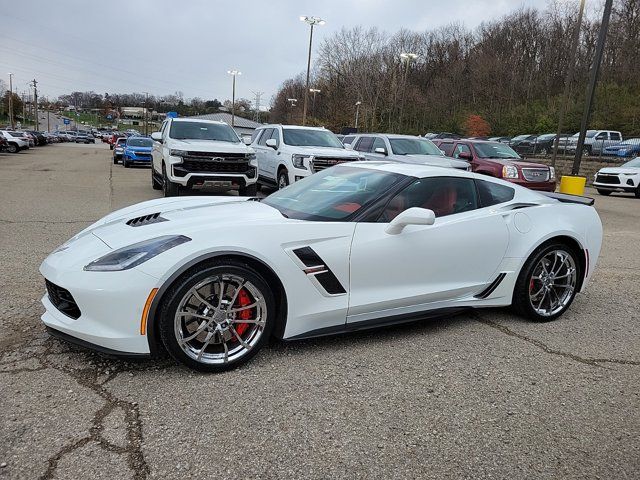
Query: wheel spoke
221, 293
205, 345
198, 331
257, 321
246, 307
226, 351
542, 300
195, 315
201, 299
235, 295
242, 342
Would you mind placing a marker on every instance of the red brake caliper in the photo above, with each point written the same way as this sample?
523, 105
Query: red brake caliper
242, 301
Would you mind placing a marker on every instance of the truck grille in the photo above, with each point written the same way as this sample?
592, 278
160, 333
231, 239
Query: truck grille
210, 155
535, 174
610, 179
204, 166
62, 300
320, 163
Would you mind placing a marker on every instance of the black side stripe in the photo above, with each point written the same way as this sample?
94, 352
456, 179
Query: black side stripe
325, 276
491, 288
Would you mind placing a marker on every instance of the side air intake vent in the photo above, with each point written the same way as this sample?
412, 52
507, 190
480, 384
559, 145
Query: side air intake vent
146, 220
318, 269
491, 288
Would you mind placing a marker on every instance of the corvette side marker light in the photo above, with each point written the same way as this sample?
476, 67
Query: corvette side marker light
145, 311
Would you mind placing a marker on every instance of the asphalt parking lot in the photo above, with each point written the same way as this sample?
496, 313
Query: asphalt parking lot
480, 395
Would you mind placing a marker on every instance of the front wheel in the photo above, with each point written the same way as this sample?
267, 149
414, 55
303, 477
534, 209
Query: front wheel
637, 192
604, 192
248, 191
12, 148
283, 179
547, 283
155, 184
217, 316
169, 188
125, 162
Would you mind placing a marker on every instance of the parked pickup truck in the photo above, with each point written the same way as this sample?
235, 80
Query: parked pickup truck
501, 161
595, 141
191, 153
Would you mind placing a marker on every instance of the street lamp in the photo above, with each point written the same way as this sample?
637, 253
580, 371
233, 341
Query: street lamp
313, 104
407, 58
358, 103
312, 21
11, 100
292, 103
233, 73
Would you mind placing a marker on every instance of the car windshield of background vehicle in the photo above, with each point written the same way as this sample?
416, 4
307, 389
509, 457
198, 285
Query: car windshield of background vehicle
635, 163
547, 136
521, 137
140, 142
203, 131
413, 146
332, 194
589, 134
300, 137
495, 150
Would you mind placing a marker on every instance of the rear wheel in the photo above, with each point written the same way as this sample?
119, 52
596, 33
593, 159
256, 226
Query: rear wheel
12, 148
217, 316
604, 192
547, 283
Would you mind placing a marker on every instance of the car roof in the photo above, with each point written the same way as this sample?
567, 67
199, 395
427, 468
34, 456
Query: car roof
300, 127
199, 120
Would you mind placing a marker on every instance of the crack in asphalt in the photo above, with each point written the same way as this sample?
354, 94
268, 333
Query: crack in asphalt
89, 378
594, 362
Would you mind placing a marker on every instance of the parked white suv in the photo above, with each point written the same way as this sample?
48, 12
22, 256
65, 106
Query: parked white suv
190, 153
15, 142
287, 153
595, 141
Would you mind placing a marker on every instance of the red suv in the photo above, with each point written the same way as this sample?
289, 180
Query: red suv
501, 161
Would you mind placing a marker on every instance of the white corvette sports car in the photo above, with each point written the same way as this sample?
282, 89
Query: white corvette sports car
355, 246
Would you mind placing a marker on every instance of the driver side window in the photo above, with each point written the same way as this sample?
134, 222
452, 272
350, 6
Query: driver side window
461, 148
444, 195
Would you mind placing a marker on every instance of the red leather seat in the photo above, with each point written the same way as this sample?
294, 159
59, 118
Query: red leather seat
443, 200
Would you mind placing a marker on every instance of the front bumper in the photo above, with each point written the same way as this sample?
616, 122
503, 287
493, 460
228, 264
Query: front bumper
111, 306
213, 179
614, 188
139, 158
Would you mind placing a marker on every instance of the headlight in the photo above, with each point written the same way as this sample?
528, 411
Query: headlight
298, 160
552, 173
177, 153
509, 171
133, 255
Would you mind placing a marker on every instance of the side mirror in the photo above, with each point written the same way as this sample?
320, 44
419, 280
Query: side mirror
465, 156
348, 146
411, 216
157, 136
381, 151
442, 151
246, 140
272, 143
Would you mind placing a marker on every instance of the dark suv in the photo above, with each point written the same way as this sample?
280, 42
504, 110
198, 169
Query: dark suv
501, 161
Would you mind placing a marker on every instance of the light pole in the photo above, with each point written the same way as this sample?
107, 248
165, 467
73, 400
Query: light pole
11, 100
312, 21
233, 73
292, 102
358, 103
313, 104
407, 58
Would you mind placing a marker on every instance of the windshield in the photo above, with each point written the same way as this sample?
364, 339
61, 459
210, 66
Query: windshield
332, 194
495, 150
140, 142
413, 146
635, 163
303, 137
589, 134
520, 137
203, 131
547, 136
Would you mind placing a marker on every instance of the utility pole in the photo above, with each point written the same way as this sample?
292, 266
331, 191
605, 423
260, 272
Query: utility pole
35, 101
146, 109
11, 100
567, 84
358, 103
258, 95
591, 88
312, 21
233, 73
313, 104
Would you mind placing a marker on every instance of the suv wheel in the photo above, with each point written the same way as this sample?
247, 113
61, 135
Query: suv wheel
155, 184
248, 191
169, 188
586, 151
12, 148
605, 192
283, 178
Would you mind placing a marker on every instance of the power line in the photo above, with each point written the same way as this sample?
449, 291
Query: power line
258, 95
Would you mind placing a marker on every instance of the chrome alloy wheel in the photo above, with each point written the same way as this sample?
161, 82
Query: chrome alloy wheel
220, 319
553, 283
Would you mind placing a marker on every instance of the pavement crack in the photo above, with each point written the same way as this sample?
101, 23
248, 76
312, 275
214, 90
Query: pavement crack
594, 362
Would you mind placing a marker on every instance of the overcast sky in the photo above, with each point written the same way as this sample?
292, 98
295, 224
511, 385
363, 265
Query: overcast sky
162, 46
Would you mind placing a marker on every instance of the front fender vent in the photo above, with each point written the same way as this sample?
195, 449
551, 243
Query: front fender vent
146, 220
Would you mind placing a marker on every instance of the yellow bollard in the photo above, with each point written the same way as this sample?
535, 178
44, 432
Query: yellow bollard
572, 185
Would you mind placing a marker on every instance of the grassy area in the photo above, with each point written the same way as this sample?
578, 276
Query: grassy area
88, 119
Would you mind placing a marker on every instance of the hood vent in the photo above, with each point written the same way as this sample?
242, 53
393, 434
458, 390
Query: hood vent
146, 220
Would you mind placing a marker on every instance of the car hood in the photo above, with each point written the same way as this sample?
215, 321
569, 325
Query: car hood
208, 146
180, 216
329, 152
435, 160
618, 170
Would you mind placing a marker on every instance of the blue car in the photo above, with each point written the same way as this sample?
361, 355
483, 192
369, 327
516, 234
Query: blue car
137, 150
628, 148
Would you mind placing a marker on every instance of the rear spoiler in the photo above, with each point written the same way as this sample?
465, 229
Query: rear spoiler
565, 198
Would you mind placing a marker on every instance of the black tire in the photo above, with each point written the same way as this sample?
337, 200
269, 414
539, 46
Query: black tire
248, 191
544, 151
521, 293
606, 193
171, 302
637, 192
125, 162
169, 188
115, 160
586, 151
155, 184
283, 178
111, 146
258, 186
12, 148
